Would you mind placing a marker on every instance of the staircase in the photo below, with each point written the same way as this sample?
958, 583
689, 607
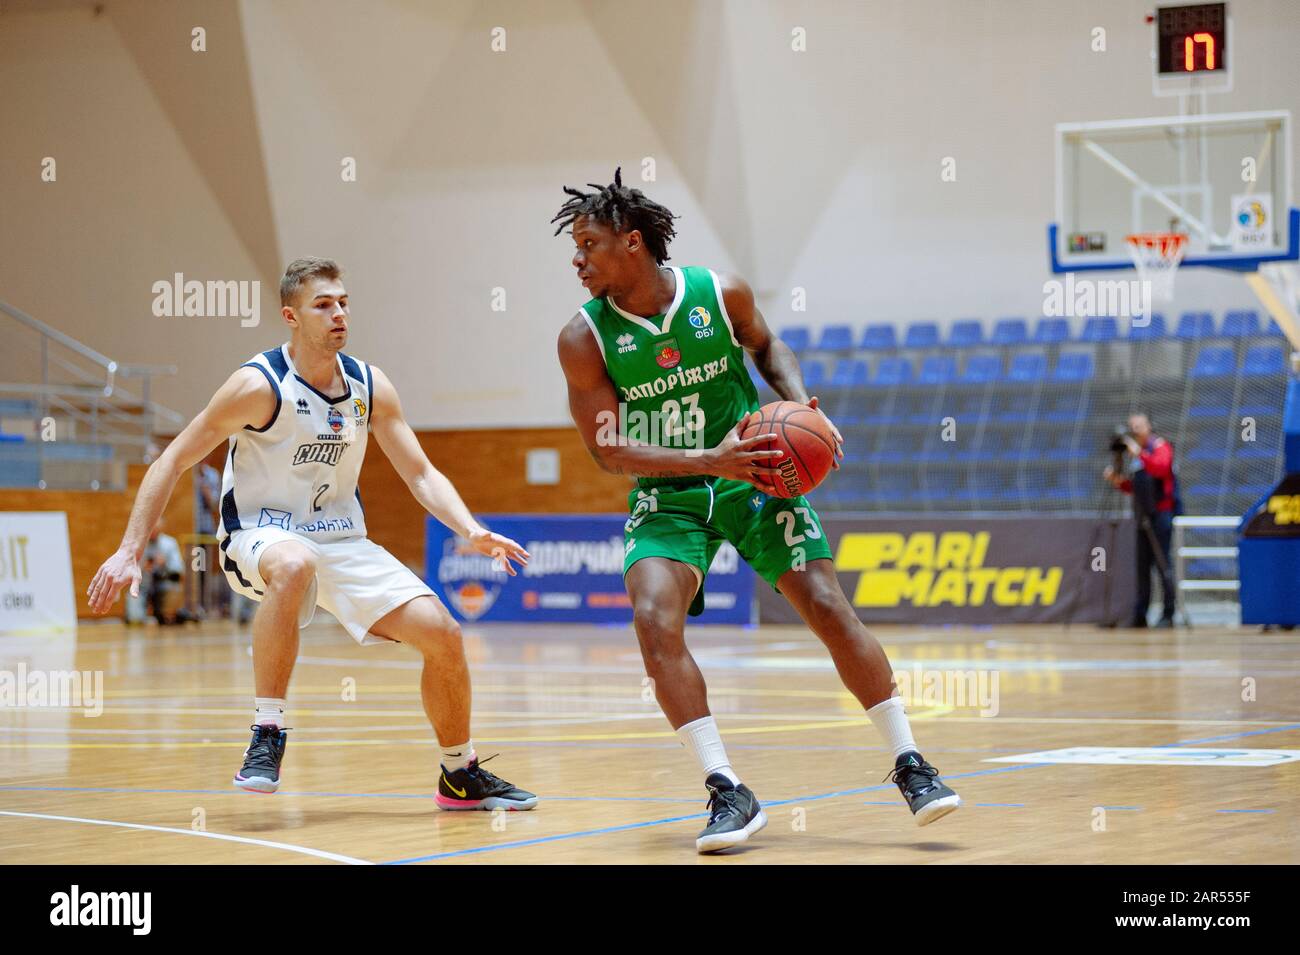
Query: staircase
66, 419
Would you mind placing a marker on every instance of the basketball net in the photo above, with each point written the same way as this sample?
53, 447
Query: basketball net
1156, 256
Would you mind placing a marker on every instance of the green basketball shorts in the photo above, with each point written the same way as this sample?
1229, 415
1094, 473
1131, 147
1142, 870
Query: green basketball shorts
688, 523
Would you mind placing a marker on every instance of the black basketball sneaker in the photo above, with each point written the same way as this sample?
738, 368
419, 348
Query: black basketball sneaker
475, 788
261, 770
926, 795
734, 815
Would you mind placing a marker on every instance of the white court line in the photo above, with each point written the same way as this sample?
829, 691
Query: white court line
318, 853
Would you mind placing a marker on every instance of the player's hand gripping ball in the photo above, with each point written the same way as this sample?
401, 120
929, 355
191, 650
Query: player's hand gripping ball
807, 439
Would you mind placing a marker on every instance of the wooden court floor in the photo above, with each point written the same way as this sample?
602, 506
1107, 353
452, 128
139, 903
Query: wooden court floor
148, 780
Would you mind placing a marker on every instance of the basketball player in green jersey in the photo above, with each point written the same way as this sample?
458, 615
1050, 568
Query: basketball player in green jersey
655, 364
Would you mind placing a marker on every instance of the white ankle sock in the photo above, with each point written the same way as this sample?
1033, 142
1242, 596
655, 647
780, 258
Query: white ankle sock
458, 756
270, 711
701, 738
888, 717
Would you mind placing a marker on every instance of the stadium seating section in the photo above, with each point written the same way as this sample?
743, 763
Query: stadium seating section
1013, 415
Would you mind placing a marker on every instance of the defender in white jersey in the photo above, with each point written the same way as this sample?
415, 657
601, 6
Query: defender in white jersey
293, 530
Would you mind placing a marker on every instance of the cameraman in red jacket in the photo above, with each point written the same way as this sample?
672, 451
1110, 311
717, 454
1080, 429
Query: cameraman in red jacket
1155, 502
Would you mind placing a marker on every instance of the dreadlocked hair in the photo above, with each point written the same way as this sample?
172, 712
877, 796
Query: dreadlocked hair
623, 209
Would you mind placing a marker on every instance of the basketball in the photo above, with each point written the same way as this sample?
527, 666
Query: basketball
805, 437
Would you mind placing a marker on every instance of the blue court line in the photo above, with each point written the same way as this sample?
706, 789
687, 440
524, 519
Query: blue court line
1245, 810
663, 822
660, 822
235, 792
996, 805
1123, 808
1216, 739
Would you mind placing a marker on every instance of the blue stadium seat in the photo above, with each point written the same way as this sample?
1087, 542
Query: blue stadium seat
1099, 330
17, 408
1155, 328
1027, 367
1010, 331
1275, 329
1063, 448
1241, 324
892, 371
966, 333
1195, 325
879, 336
981, 369
1213, 362
849, 373
1073, 366
814, 374
1052, 330
937, 370
921, 335
1207, 446
1263, 360
1212, 383
836, 338
798, 337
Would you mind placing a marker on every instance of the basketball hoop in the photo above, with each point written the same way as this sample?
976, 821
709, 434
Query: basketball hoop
1156, 256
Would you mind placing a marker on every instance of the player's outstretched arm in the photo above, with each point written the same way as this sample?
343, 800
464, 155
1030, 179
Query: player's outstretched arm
428, 485
773, 358
593, 403
245, 399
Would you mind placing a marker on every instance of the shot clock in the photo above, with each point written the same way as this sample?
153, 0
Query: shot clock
1190, 48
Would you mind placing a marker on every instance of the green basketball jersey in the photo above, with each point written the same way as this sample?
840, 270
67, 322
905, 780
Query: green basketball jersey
680, 376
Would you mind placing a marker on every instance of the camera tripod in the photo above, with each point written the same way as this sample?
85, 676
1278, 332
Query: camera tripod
1169, 590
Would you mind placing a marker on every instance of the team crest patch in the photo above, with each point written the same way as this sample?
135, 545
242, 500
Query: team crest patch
472, 599
336, 420
471, 581
359, 407
699, 317
668, 355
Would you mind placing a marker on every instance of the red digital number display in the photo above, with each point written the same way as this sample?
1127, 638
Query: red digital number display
1192, 39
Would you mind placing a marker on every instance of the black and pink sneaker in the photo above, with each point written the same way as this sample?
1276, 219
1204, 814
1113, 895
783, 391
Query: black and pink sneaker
261, 770
475, 788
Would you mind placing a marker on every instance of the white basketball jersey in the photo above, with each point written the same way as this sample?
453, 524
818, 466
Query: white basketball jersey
299, 472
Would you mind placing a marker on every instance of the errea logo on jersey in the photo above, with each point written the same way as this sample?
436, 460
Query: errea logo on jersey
625, 343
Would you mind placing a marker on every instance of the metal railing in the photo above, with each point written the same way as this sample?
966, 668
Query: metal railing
1183, 552
70, 382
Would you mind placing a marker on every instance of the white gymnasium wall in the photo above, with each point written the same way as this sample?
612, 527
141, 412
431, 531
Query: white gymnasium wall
819, 169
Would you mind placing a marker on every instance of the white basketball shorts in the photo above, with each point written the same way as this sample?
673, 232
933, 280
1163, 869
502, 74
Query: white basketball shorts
356, 579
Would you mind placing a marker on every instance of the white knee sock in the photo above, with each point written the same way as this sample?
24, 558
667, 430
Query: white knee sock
458, 756
701, 738
270, 711
888, 717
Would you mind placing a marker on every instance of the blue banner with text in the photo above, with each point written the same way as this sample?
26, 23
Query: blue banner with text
575, 574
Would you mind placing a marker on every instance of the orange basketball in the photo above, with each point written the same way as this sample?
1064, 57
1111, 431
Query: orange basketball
805, 437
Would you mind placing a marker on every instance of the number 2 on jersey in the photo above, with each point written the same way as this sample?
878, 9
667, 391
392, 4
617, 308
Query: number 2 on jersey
787, 521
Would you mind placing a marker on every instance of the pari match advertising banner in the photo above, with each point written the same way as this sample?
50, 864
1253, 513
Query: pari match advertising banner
575, 574
979, 570
35, 573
